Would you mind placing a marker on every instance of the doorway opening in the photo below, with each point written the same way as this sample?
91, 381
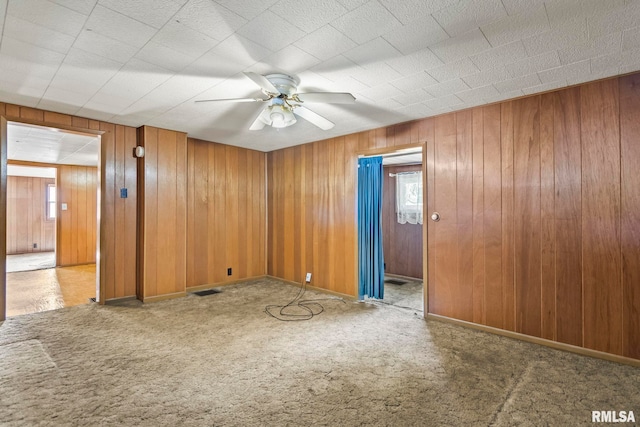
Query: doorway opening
52, 218
401, 229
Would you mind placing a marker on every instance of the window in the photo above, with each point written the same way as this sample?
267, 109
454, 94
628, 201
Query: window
409, 197
51, 201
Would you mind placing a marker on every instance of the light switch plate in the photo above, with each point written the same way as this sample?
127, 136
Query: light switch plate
63, 206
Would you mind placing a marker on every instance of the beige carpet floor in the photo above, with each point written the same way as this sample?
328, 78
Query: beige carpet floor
220, 360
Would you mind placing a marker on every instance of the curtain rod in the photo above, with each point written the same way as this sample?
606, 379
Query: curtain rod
403, 173
386, 156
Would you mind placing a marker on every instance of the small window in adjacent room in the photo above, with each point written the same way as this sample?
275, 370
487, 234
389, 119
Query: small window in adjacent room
409, 197
51, 201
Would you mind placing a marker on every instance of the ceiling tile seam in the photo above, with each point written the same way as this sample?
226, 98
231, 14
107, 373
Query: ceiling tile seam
137, 20
391, 13
72, 154
292, 42
330, 58
66, 54
440, 24
200, 32
4, 23
291, 23
546, 14
169, 72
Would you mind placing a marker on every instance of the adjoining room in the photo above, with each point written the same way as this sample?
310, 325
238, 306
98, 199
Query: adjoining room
51, 218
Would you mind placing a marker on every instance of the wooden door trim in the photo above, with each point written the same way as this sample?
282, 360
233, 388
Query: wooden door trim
3, 217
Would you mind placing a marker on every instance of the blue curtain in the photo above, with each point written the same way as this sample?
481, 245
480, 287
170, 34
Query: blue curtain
370, 256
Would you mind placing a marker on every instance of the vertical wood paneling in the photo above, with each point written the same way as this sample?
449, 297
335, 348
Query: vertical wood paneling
120, 212
402, 242
181, 212
508, 235
601, 216
231, 204
548, 207
527, 214
492, 227
428, 133
339, 220
478, 290
287, 215
210, 167
547, 221
26, 215
243, 164
630, 214
149, 238
31, 114
130, 211
568, 215
447, 292
464, 210
278, 214
77, 187
108, 263
166, 210
350, 189
309, 213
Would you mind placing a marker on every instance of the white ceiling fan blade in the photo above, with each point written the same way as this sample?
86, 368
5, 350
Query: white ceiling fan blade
327, 97
262, 81
233, 100
258, 124
312, 117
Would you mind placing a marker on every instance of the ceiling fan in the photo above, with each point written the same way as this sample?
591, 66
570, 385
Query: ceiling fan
284, 103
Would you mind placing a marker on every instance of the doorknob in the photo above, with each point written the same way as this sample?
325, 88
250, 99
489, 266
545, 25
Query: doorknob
435, 217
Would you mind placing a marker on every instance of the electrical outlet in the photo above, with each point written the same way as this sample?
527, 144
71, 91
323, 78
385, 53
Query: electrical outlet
308, 278
229, 271
35, 246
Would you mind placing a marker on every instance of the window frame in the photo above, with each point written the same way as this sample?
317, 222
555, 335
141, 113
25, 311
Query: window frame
49, 209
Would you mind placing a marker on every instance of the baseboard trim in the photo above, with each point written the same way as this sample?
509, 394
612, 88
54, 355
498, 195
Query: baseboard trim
120, 299
540, 341
164, 297
315, 288
400, 276
216, 285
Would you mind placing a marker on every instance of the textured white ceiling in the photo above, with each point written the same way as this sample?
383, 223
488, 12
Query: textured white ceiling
46, 145
146, 61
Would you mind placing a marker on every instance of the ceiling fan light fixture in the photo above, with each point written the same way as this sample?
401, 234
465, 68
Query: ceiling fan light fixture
279, 116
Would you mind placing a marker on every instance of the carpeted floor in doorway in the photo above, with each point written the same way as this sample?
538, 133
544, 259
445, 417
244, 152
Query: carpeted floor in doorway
220, 360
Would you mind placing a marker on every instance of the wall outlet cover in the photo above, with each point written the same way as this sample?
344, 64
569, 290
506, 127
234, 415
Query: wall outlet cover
308, 278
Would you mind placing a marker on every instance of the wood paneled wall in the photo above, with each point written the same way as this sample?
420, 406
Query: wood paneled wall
311, 196
77, 225
402, 242
162, 210
226, 214
117, 233
27, 222
546, 204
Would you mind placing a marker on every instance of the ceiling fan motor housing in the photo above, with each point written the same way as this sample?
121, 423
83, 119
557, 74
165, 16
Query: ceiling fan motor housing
287, 85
